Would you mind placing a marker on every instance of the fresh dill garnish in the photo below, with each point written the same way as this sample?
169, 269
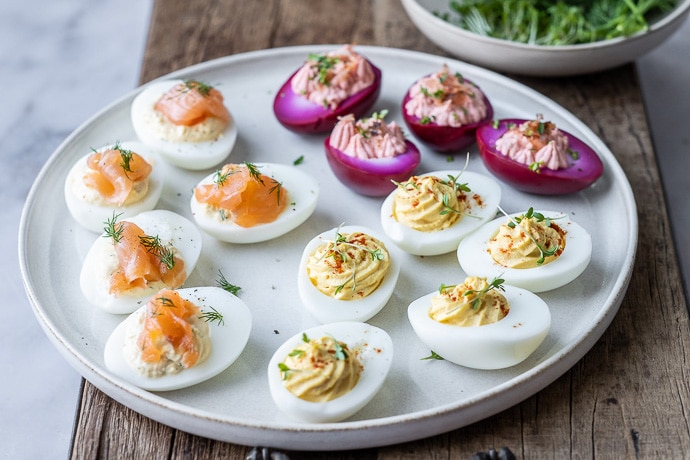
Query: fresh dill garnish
203, 88
154, 246
125, 157
112, 230
254, 172
434, 355
212, 316
277, 188
223, 283
166, 302
220, 177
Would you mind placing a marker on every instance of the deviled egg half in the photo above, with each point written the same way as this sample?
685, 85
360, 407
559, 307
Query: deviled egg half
123, 178
179, 338
138, 256
186, 121
480, 324
249, 203
347, 273
534, 250
430, 214
330, 372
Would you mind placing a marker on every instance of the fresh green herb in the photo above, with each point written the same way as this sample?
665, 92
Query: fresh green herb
323, 64
426, 119
285, 370
538, 217
212, 316
111, 230
305, 338
551, 23
434, 355
536, 166
342, 256
340, 353
125, 158
496, 283
166, 302
298, 161
154, 246
223, 283
220, 177
277, 188
450, 158
254, 172
202, 88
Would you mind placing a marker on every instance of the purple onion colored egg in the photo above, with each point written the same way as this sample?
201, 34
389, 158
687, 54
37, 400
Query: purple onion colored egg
372, 177
445, 138
581, 172
298, 114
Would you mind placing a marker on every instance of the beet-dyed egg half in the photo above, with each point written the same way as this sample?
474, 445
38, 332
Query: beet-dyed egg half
299, 114
445, 138
583, 169
372, 177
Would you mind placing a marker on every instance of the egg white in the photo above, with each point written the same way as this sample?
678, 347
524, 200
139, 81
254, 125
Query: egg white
92, 216
475, 259
101, 261
326, 309
228, 340
444, 241
376, 355
498, 345
303, 194
186, 155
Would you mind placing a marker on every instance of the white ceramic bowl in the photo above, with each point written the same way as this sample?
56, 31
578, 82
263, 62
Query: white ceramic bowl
543, 61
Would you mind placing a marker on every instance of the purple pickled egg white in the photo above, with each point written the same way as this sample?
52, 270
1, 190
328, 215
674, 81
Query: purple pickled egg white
372, 177
297, 113
581, 172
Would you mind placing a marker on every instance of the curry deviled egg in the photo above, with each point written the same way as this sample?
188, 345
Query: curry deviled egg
186, 121
330, 372
534, 250
347, 273
123, 178
138, 256
325, 87
249, 203
481, 324
431, 213
179, 338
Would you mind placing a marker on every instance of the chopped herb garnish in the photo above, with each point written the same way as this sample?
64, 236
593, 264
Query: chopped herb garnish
298, 161
212, 316
434, 355
202, 88
496, 283
324, 63
111, 230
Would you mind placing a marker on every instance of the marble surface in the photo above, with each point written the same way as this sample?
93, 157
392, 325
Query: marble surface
59, 68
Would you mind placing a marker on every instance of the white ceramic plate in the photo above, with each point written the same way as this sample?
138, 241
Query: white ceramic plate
421, 397
540, 61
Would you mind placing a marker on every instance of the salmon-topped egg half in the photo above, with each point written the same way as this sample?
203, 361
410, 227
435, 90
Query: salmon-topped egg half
180, 337
249, 203
122, 178
186, 121
137, 257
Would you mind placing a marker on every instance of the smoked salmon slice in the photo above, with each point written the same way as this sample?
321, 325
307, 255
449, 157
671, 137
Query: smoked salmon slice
143, 260
192, 102
167, 322
113, 173
244, 195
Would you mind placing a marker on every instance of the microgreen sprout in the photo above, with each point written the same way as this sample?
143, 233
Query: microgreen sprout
435, 356
538, 217
340, 353
496, 283
323, 64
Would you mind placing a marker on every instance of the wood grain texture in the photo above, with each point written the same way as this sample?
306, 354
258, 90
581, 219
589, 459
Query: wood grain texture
627, 398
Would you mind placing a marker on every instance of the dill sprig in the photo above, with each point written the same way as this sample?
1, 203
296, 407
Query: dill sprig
203, 88
223, 283
254, 172
112, 230
126, 156
212, 316
153, 245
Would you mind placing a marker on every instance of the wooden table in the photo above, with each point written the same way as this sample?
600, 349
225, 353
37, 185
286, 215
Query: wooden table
627, 398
